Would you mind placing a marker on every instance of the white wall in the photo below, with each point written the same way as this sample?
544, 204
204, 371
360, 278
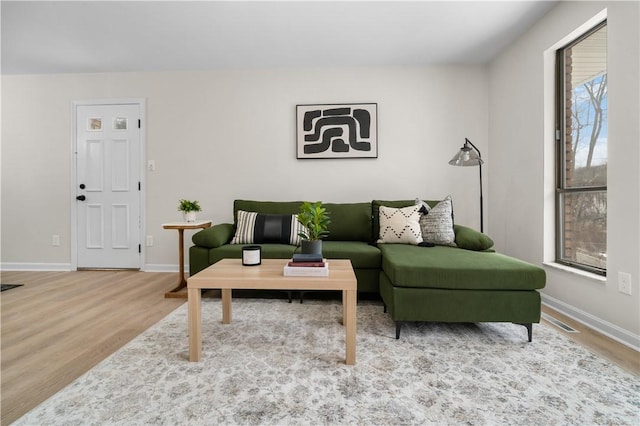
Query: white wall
522, 182
221, 135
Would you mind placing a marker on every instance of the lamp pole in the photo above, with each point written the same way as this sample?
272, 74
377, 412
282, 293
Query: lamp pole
467, 141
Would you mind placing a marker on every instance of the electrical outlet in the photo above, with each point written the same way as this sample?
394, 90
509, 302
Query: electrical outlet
149, 240
151, 165
55, 240
624, 283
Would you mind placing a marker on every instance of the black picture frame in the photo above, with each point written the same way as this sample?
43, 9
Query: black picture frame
330, 131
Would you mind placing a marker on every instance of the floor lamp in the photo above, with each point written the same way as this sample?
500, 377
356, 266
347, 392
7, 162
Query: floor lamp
470, 156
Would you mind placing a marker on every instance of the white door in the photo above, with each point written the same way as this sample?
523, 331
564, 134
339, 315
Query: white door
108, 196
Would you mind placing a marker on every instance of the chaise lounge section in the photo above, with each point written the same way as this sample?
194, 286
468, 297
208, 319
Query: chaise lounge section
447, 284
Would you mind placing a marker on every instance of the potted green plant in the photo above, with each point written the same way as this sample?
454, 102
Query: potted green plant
315, 219
189, 208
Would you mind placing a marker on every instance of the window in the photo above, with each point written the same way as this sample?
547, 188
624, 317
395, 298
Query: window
581, 194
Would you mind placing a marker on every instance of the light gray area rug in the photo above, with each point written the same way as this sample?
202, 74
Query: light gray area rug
281, 363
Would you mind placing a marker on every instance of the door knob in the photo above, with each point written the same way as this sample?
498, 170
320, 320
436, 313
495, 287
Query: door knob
82, 186
81, 198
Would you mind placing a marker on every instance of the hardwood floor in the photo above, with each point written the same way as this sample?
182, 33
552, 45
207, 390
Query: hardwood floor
600, 344
61, 324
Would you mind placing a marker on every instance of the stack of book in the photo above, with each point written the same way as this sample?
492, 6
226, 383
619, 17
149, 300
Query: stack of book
307, 265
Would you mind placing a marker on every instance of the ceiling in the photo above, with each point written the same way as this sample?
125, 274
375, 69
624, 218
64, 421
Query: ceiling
113, 36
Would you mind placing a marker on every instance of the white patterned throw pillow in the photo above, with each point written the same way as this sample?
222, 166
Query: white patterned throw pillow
400, 226
437, 224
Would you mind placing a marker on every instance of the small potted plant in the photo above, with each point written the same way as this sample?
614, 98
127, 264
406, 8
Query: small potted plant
315, 219
189, 208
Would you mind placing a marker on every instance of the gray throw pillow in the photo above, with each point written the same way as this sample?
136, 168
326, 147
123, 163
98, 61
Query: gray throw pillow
437, 224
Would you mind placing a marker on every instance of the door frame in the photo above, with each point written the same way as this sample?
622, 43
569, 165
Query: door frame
141, 102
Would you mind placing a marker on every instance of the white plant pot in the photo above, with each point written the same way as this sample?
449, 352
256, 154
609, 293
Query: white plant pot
190, 217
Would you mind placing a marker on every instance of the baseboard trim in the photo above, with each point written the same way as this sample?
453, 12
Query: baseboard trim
606, 328
57, 267
161, 267
66, 267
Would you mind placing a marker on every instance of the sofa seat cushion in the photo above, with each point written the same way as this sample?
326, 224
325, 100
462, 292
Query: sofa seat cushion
453, 268
362, 255
268, 251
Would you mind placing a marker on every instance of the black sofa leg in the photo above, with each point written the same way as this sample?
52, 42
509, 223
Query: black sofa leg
385, 308
398, 327
529, 327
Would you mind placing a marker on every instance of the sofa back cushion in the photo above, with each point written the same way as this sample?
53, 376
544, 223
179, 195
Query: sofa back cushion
265, 207
349, 221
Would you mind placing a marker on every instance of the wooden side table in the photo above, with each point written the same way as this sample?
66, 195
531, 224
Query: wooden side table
181, 226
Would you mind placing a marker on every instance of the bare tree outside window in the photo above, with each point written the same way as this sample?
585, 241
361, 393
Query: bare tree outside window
582, 153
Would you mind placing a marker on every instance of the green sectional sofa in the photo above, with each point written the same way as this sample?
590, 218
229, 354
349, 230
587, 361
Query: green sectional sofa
467, 283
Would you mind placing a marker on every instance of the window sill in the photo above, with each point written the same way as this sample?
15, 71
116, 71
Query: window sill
575, 271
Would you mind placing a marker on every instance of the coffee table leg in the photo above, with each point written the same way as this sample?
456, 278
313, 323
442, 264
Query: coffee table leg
344, 307
226, 306
195, 319
349, 319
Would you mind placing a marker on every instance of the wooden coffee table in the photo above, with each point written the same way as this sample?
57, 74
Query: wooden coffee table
228, 274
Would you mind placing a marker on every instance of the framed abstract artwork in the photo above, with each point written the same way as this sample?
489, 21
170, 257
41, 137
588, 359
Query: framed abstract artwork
337, 131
